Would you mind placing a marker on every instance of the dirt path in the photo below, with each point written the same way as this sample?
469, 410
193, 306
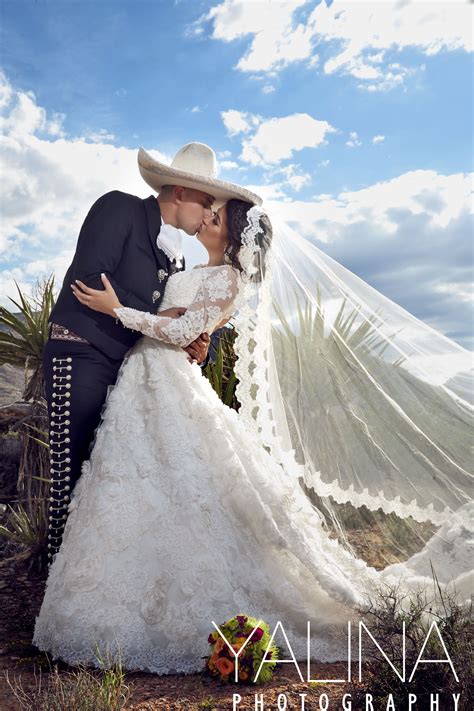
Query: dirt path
21, 593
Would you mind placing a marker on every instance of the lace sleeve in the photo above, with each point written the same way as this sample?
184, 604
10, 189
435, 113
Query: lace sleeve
214, 301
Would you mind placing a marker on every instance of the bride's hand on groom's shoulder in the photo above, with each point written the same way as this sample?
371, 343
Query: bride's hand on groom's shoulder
105, 300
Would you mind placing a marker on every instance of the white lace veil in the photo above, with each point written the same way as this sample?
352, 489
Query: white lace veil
367, 405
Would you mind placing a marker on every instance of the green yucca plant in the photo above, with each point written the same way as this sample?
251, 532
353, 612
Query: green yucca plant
24, 334
326, 361
22, 338
311, 329
22, 531
323, 379
220, 373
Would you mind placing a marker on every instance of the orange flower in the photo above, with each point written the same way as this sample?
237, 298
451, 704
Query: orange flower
219, 645
212, 661
225, 666
243, 674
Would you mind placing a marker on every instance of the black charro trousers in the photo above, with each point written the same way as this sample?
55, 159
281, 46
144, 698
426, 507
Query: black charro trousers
77, 376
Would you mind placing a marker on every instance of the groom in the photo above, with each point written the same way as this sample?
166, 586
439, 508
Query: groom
137, 244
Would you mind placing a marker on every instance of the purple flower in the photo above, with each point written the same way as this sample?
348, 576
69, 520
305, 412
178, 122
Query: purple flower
258, 634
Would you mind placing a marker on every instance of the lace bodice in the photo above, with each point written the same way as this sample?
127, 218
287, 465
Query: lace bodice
208, 293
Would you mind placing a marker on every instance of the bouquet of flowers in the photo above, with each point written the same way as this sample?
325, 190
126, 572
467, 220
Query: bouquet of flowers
253, 636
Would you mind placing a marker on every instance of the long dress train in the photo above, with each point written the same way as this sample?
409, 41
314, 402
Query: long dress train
181, 518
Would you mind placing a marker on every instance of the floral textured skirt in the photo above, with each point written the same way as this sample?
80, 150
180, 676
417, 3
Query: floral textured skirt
181, 518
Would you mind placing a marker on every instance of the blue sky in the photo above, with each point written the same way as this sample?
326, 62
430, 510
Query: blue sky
355, 115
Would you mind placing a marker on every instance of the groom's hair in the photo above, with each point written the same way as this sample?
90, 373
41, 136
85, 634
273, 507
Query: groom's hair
166, 190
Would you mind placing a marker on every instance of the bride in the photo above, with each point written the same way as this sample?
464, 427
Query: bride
189, 512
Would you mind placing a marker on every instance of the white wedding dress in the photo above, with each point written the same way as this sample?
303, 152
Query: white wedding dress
181, 517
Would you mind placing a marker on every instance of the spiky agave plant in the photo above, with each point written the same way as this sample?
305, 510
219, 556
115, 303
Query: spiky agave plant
22, 338
24, 334
220, 369
328, 360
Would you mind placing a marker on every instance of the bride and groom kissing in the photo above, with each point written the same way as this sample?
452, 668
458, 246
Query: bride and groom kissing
168, 509
133, 246
138, 503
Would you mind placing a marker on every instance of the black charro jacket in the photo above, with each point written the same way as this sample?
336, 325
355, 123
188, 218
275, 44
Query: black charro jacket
118, 237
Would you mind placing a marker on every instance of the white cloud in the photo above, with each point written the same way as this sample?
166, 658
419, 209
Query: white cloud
462, 291
239, 121
227, 164
354, 141
269, 193
298, 181
277, 40
196, 110
268, 89
101, 136
6, 91
9, 280
49, 184
357, 35
438, 199
23, 116
392, 76
378, 139
276, 139
409, 237
290, 175
55, 124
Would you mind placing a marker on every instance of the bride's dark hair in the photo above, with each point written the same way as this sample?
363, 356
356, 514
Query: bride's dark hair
236, 211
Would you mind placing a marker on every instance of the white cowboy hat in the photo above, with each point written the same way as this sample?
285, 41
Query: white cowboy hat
194, 166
